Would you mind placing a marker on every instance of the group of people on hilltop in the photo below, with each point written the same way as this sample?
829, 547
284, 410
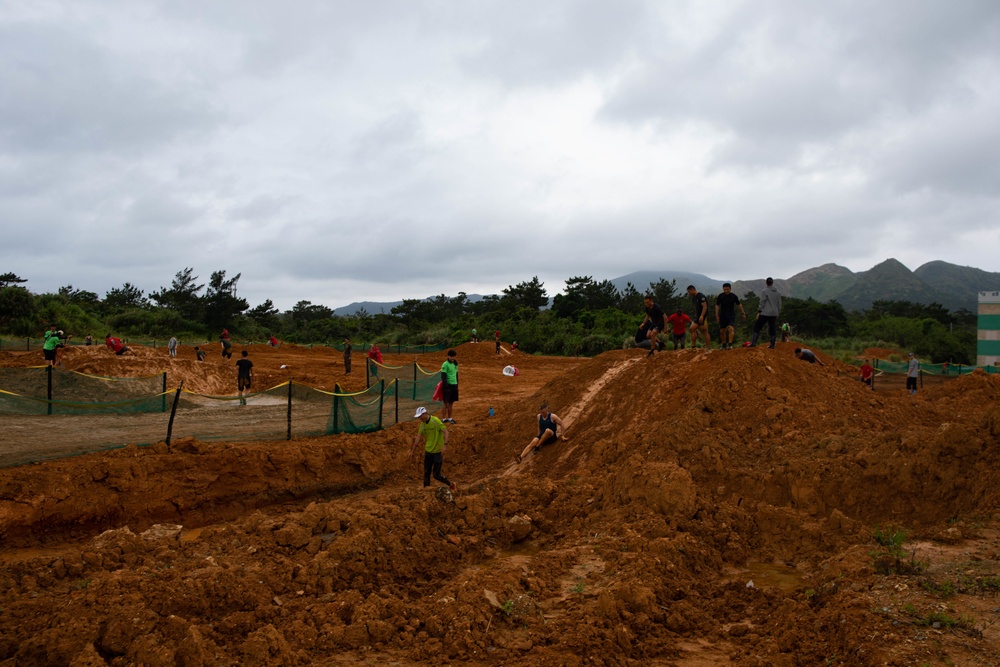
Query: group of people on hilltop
727, 305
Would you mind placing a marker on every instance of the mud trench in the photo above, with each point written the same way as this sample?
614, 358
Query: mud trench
724, 508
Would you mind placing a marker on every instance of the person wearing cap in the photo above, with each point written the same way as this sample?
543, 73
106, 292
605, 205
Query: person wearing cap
767, 313
550, 427
53, 341
678, 322
347, 356
449, 386
807, 355
435, 435
912, 371
725, 314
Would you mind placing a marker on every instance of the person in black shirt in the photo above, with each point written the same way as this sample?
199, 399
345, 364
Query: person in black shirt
700, 317
654, 322
244, 375
725, 314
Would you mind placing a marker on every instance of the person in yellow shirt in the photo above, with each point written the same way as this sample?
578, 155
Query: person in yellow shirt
435, 435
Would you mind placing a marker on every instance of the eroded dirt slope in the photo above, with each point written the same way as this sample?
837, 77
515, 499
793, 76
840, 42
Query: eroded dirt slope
686, 477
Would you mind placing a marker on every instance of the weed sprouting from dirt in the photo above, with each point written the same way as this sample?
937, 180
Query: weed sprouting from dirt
890, 557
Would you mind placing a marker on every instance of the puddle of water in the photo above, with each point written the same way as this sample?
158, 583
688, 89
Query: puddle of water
771, 575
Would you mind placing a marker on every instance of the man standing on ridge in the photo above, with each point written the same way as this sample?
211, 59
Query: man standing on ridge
654, 322
347, 356
679, 322
767, 313
449, 386
725, 314
700, 319
912, 371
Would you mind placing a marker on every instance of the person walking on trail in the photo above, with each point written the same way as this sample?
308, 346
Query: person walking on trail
449, 386
550, 427
700, 320
767, 313
435, 435
786, 332
244, 376
868, 374
807, 355
496, 338
678, 322
654, 322
172, 346
227, 346
726, 305
347, 356
912, 371
53, 342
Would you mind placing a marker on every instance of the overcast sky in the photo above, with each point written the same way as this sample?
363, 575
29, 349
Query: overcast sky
344, 151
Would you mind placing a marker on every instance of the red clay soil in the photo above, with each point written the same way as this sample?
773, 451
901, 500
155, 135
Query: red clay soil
709, 508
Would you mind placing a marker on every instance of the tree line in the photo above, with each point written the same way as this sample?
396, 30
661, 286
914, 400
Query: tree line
586, 318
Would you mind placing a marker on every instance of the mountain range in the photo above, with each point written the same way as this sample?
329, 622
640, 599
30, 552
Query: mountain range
952, 286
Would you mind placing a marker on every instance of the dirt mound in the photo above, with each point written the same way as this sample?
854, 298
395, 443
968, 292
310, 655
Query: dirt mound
710, 508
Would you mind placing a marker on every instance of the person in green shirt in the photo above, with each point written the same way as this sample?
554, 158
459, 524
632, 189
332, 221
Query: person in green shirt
449, 386
53, 341
435, 435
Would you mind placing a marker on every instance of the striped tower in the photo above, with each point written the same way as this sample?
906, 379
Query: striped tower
988, 346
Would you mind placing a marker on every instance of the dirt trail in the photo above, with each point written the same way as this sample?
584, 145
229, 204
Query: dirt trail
687, 475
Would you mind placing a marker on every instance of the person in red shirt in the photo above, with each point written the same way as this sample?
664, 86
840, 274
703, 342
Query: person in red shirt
115, 345
867, 374
678, 322
375, 354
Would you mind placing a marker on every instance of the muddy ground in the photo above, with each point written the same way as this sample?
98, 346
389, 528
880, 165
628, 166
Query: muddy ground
709, 508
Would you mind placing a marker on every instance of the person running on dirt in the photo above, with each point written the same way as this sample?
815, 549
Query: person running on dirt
449, 386
550, 427
654, 322
868, 374
172, 346
700, 320
496, 339
244, 376
725, 314
199, 353
912, 371
807, 355
786, 332
435, 435
347, 356
767, 313
115, 345
53, 342
227, 346
678, 322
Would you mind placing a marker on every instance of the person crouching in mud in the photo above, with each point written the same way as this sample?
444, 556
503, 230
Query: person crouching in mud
550, 427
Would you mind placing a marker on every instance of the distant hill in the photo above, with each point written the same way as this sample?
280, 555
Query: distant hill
950, 285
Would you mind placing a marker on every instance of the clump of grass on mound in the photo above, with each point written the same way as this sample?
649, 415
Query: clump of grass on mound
890, 556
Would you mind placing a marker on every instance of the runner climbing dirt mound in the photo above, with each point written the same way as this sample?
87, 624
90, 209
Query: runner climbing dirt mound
688, 476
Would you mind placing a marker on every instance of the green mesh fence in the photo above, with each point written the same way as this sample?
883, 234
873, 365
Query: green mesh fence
411, 372
900, 367
360, 412
52, 390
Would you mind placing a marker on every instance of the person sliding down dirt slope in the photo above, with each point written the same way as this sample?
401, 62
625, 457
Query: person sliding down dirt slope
550, 427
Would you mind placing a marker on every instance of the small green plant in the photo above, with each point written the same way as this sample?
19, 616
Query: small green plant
80, 585
578, 588
507, 608
891, 557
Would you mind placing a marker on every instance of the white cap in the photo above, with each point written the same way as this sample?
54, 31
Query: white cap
420, 411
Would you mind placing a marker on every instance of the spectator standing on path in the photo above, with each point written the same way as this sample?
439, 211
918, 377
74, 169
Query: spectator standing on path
550, 427
244, 376
475, 336
435, 435
347, 356
807, 355
679, 322
496, 339
115, 345
868, 374
89, 340
449, 386
912, 371
700, 319
172, 346
654, 322
725, 314
375, 354
767, 313
199, 353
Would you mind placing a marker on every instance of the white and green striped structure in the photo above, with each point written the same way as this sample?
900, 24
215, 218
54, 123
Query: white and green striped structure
988, 346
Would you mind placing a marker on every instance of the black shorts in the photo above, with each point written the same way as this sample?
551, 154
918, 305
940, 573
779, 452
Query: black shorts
242, 382
727, 320
50, 355
678, 338
122, 351
449, 393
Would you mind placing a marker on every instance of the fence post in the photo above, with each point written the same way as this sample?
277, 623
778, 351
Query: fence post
173, 411
381, 401
48, 371
289, 410
336, 407
397, 400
